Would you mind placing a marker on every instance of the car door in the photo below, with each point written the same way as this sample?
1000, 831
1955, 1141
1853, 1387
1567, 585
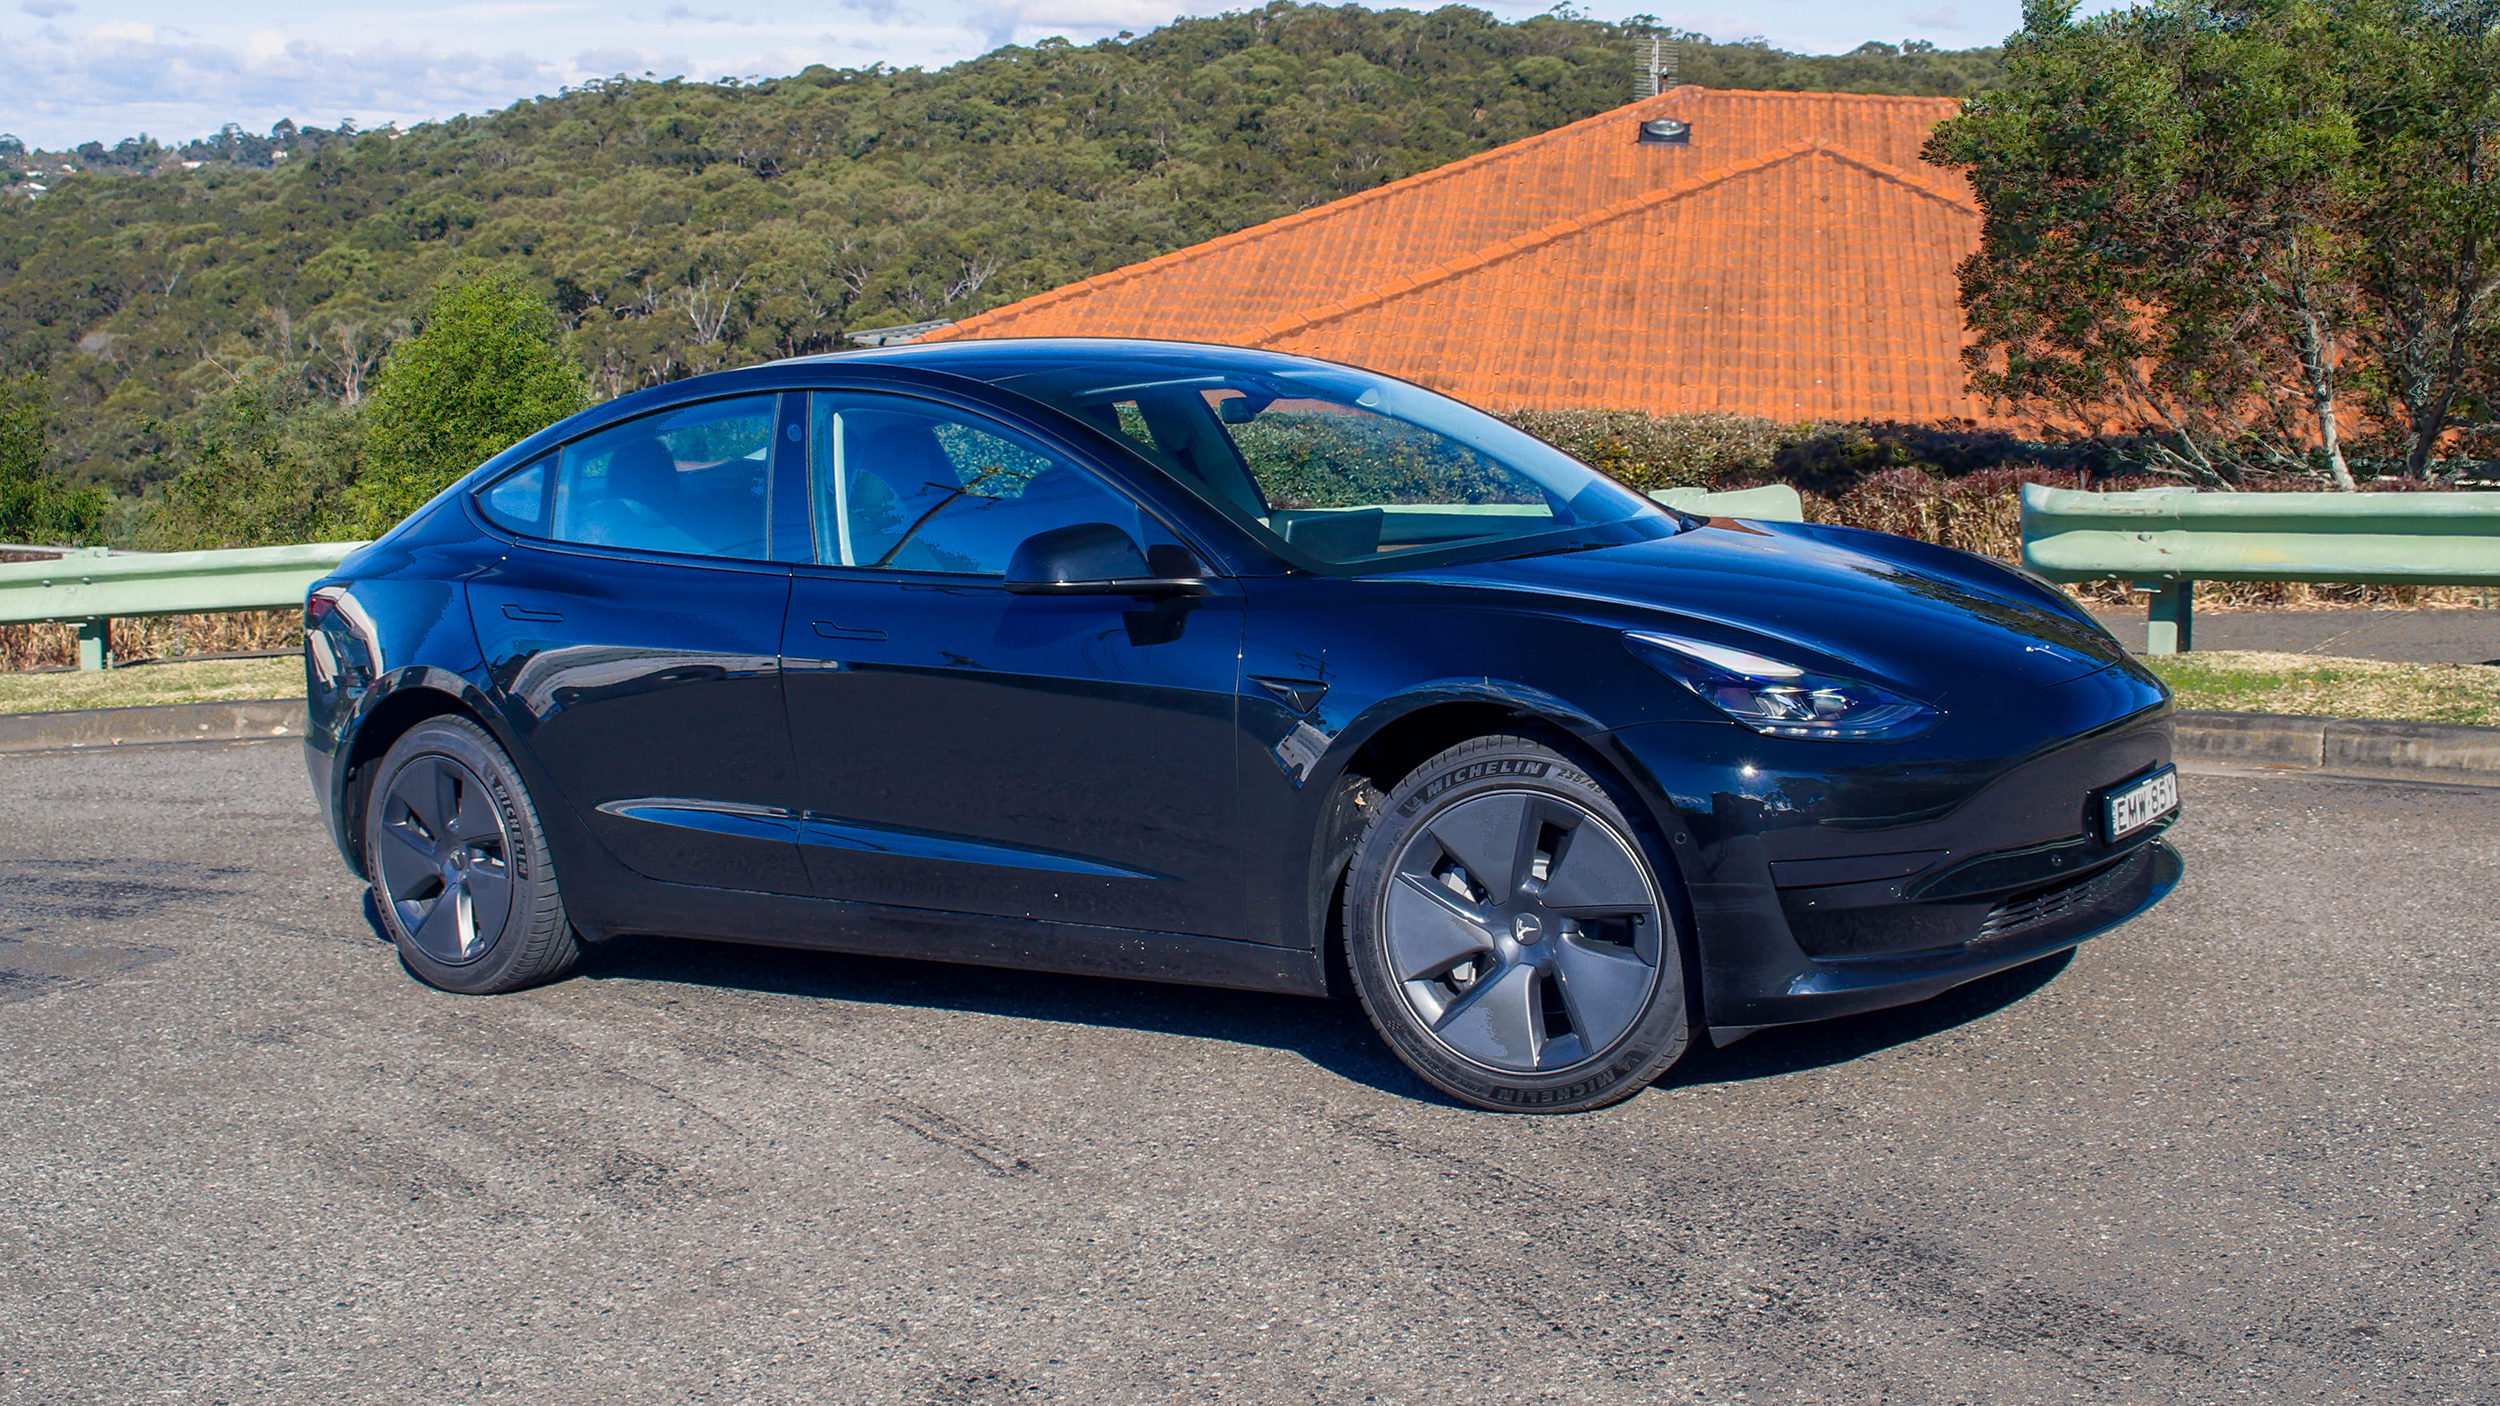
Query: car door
966, 749
633, 636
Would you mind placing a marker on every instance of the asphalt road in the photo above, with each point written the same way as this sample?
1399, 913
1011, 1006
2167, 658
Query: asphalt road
2406, 636
2242, 1151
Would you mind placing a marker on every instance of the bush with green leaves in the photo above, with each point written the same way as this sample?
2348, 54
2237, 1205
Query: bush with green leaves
265, 462
486, 369
35, 506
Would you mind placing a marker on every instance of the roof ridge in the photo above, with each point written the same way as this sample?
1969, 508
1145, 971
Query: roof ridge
1264, 229
1505, 249
1912, 179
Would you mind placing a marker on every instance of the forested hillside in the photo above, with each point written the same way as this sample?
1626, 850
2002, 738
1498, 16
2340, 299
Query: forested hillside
680, 227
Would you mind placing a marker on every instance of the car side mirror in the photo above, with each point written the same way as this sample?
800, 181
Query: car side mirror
1097, 559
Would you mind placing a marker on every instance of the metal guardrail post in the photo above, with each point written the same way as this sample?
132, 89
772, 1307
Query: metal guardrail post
95, 643
2170, 618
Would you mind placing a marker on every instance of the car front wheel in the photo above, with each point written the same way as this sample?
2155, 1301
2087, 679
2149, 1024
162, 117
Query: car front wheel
1509, 934
459, 864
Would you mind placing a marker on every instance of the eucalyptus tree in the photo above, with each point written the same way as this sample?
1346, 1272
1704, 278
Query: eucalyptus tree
2239, 225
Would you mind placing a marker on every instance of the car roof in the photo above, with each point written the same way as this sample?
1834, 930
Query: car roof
995, 359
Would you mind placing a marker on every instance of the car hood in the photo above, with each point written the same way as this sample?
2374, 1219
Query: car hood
1942, 623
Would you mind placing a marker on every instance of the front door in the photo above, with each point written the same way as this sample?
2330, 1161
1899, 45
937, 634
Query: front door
964, 749
634, 638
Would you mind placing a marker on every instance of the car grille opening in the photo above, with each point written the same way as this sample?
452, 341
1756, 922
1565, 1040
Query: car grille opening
2047, 906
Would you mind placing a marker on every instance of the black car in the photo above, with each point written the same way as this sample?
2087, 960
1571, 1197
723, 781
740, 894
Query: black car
1215, 666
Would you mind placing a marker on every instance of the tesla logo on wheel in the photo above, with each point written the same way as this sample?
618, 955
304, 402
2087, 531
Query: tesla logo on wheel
1527, 929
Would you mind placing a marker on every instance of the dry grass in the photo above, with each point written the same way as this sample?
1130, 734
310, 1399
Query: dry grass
154, 637
2256, 681
202, 681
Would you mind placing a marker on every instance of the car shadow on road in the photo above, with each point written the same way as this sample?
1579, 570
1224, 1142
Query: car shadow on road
1333, 1034
1789, 1049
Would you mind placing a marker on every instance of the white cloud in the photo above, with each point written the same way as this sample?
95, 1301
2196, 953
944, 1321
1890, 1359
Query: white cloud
127, 76
1083, 21
632, 62
1941, 17
683, 14
877, 11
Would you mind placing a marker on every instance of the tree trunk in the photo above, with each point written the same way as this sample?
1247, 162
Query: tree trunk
2317, 360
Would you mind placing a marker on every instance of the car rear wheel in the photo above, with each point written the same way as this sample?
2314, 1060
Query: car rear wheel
1509, 934
459, 864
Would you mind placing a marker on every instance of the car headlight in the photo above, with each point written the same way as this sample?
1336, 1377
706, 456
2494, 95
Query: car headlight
1780, 699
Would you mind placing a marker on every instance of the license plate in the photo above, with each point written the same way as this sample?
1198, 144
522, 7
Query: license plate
2138, 804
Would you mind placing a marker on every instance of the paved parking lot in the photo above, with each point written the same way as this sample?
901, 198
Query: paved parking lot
2244, 1150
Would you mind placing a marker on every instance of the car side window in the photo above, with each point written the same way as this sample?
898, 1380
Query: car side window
911, 485
518, 501
696, 479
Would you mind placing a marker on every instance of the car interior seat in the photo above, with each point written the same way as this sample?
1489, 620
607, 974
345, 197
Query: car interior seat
639, 501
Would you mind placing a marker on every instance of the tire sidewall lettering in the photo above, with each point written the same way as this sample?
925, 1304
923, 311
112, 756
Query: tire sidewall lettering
1500, 767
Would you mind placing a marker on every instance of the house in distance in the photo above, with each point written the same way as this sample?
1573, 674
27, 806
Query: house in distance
1785, 255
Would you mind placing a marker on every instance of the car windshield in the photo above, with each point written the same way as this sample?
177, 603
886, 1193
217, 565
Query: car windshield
1342, 468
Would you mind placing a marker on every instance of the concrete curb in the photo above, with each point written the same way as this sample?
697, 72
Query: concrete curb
172, 722
2430, 750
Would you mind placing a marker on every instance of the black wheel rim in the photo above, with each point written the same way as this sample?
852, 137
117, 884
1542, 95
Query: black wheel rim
445, 860
1523, 931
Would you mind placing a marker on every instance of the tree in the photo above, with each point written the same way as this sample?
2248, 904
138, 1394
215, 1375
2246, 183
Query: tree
265, 463
2428, 258
2168, 196
34, 505
486, 369
2237, 223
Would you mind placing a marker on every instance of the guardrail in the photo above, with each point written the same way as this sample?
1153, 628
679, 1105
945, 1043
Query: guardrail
1775, 502
2167, 540
91, 586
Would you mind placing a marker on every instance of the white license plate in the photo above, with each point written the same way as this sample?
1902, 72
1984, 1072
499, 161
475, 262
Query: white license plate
2133, 807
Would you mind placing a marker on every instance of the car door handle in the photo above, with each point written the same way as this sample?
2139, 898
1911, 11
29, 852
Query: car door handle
523, 612
831, 631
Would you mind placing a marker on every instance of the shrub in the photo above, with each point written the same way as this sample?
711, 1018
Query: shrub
486, 370
34, 505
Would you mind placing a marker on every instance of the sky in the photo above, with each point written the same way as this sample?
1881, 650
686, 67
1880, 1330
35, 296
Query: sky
100, 70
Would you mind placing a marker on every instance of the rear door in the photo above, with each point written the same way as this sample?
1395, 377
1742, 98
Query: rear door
634, 636
965, 749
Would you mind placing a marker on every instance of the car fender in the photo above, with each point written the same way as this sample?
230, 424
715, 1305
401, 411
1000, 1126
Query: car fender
334, 754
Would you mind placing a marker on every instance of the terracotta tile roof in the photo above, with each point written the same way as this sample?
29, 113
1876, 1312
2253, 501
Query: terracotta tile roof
1795, 260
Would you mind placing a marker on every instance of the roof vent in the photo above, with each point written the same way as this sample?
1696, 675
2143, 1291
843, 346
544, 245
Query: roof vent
1667, 131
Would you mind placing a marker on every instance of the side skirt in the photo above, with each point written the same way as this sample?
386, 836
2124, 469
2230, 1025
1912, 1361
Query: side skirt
875, 930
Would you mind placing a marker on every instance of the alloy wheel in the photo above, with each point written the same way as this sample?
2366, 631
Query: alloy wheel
1524, 932
445, 859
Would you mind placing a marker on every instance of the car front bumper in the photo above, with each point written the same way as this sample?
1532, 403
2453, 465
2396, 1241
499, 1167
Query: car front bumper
1826, 879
